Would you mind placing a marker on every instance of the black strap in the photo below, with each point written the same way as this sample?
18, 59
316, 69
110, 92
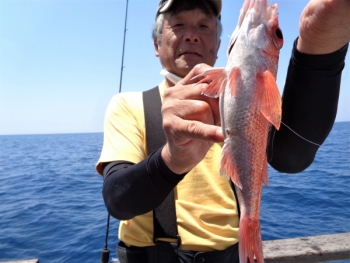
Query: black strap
152, 105
164, 216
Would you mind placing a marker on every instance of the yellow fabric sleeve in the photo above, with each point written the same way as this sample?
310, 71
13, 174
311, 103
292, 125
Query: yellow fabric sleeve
124, 136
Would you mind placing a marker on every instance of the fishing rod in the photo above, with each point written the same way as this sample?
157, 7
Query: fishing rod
122, 66
105, 251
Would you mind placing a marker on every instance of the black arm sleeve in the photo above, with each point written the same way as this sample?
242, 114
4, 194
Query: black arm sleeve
309, 107
134, 189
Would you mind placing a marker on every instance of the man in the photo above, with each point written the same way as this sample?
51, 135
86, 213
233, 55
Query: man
186, 40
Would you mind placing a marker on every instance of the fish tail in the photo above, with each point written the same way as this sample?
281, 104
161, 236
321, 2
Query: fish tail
250, 244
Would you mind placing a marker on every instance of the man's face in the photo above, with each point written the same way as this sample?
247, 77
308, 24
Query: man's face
188, 38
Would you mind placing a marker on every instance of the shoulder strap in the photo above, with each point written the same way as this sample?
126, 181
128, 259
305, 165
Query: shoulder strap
155, 137
164, 216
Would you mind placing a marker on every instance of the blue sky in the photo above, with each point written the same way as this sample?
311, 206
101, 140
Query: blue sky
60, 60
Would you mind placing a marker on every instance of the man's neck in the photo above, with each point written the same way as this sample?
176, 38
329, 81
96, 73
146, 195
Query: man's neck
170, 78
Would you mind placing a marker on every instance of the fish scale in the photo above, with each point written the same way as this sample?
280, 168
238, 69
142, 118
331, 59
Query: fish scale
249, 103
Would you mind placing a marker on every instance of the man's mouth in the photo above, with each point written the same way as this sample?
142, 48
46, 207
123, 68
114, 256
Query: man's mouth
191, 53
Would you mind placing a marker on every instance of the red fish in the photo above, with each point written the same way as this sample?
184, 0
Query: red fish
249, 103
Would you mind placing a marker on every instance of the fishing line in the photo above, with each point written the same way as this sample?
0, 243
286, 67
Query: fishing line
300, 135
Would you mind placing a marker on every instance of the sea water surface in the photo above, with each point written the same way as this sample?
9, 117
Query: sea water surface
51, 207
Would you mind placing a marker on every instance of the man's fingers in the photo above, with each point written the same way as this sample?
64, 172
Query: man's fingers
204, 132
185, 131
189, 99
190, 123
185, 92
192, 76
324, 26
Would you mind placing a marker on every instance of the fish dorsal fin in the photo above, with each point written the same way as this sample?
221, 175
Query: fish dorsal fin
269, 98
216, 79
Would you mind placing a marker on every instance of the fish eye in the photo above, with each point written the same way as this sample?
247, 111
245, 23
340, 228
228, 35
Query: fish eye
279, 33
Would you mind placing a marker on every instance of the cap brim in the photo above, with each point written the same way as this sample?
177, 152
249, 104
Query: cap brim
216, 3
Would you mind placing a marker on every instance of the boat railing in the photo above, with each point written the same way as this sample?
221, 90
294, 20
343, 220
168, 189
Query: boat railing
324, 248
312, 249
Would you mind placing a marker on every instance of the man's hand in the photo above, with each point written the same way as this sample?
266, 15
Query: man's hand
324, 26
190, 123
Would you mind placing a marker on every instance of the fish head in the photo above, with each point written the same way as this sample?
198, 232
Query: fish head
237, 30
258, 25
274, 35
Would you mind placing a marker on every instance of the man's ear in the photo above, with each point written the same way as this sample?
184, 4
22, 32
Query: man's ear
156, 46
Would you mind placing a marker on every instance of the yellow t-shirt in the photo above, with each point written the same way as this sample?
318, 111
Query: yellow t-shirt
204, 201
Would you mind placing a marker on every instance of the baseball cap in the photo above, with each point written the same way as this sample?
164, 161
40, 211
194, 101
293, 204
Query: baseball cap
164, 5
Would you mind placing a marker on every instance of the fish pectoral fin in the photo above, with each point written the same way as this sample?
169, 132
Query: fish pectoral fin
270, 98
228, 166
216, 79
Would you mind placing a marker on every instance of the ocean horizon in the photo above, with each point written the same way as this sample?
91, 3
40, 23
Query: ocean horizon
67, 133
52, 208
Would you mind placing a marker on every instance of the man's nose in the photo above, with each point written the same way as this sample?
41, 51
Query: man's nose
192, 35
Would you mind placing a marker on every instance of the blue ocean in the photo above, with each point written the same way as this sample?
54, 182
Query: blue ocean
52, 209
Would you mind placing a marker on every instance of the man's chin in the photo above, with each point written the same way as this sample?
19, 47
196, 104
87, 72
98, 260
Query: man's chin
185, 68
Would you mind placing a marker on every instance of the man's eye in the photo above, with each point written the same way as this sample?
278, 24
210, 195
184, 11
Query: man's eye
204, 26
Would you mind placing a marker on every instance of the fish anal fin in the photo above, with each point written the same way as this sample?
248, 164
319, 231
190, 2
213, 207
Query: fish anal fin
270, 98
216, 79
228, 166
250, 243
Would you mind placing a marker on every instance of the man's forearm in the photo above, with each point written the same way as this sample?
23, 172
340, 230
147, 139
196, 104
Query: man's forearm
134, 189
309, 107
